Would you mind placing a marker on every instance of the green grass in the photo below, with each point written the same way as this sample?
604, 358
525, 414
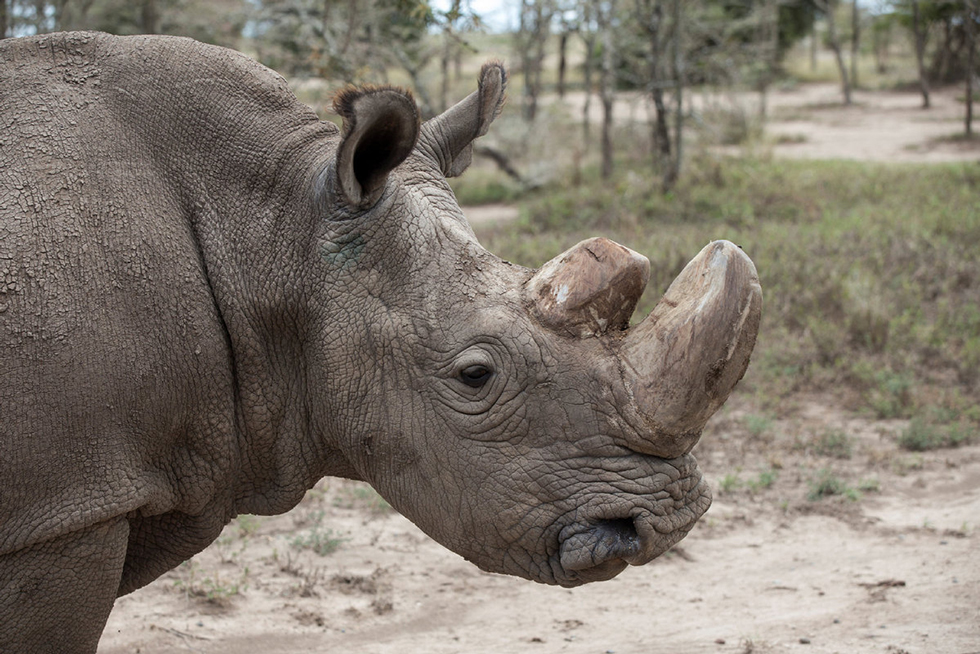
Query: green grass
827, 484
868, 270
322, 541
764, 480
730, 483
210, 585
362, 497
834, 444
757, 425
923, 434
733, 481
482, 185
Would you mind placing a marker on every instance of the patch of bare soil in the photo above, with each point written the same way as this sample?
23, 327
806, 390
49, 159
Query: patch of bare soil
811, 122
490, 214
891, 568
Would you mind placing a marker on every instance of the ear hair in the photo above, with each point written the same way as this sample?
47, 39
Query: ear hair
381, 127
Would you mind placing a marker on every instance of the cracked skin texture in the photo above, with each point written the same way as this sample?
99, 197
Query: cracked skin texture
201, 316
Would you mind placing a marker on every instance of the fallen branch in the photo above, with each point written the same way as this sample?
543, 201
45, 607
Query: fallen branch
503, 162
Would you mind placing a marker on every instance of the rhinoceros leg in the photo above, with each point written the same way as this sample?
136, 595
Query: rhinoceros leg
56, 596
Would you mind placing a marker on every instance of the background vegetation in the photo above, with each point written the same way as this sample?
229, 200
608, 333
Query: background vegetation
870, 271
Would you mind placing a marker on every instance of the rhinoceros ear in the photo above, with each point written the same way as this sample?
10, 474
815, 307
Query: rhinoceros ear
381, 126
448, 138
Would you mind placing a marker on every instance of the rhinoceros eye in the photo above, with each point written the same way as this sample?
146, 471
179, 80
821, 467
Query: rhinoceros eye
475, 376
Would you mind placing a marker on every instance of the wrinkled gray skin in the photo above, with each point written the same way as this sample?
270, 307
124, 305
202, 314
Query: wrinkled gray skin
209, 300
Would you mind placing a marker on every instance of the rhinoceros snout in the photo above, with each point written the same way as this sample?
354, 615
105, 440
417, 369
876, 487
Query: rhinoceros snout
611, 531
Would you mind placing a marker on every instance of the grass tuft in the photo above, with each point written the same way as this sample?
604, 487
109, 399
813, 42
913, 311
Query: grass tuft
827, 484
835, 444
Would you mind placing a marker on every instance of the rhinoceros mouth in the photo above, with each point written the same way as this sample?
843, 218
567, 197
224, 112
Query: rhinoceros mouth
601, 550
600, 547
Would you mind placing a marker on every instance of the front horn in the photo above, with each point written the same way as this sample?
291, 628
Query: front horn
684, 359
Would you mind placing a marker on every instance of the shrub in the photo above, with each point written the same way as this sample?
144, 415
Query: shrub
826, 484
922, 435
834, 443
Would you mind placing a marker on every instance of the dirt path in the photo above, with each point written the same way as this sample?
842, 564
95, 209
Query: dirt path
765, 571
810, 122
488, 214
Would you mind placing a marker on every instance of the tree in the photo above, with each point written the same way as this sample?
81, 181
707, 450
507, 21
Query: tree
670, 178
588, 33
349, 40
827, 8
855, 40
970, 18
212, 21
882, 28
531, 38
649, 15
919, 34
455, 21
568, 22
605, 14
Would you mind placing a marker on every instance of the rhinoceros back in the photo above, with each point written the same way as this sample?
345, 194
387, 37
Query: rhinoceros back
122, 160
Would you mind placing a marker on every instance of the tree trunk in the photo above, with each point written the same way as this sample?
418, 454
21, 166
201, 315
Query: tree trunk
532, 37
3, 19
769, 37
444, 68
918, 33
606, 87
674, 171
941, 63
813, 39
150, 17
562, 64
855, 41
827, 6
39, 15
503, 163
540, 41
880, 43
651, 17
969, 23
587, 106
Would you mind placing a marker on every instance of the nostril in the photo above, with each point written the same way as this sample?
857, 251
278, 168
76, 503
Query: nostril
616, 538
604, 546
623, 526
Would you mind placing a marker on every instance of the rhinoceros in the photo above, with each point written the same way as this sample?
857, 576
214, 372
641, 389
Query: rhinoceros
210, 299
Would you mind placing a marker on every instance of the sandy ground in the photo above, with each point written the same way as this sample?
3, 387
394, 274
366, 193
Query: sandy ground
766, 570
894, 569
879, 126
811, 122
